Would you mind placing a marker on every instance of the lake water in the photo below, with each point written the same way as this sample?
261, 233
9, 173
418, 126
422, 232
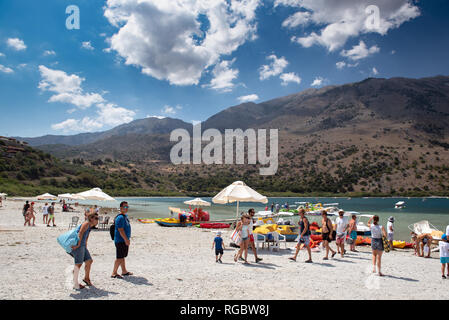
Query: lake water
435, 210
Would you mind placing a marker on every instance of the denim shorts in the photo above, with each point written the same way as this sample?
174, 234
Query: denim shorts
81, 255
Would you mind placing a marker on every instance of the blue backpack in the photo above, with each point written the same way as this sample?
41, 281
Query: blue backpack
69, 239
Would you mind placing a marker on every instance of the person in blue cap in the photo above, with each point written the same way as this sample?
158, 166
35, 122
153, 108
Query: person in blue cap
444, 255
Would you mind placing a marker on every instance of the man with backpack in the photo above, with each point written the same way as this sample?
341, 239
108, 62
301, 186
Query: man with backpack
121, 236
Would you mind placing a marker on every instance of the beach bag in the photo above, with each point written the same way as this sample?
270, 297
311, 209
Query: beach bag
387, 247
69, 239
236, 238
112, 229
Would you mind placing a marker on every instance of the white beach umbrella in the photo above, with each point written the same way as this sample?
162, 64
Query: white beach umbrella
70, 196
198, 202
95, 194
238, 192
47, 196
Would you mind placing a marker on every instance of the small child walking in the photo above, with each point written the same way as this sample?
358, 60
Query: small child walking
219, 246
444, 255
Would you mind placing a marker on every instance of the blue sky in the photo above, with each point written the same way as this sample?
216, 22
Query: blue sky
190, 59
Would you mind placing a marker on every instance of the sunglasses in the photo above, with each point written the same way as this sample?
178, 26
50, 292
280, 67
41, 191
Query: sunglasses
96, 218
125, 207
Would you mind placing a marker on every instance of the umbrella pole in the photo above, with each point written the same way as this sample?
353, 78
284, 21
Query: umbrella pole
237, 217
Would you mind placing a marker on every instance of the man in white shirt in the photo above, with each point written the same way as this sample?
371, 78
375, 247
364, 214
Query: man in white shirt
342, 226
45, 213
390, 231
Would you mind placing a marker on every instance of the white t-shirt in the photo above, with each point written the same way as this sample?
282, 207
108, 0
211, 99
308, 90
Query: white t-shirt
45, 210
390, 224
251, 224
376, 231
341, 225
444, 249
447, 230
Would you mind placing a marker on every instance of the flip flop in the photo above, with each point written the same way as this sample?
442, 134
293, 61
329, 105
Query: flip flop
333, 254
127, 274
89, 284
80, 288
117, 276
293, 259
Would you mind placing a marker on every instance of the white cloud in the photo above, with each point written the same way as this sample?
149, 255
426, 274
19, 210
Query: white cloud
223, 76
111, 115
87, 45
318, 82
344, 19
16, 44
341, 64
49, 53
67, 88
374, 71
290, 77
72, 125
168, 110
165, 39
248, 98
157, 117
275, 68
299, 18
5, 69
360, 51
2, 54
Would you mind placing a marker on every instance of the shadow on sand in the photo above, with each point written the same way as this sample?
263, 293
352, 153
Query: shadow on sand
91, 292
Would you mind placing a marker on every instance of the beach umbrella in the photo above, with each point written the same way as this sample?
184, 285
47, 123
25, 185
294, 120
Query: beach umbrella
69, 196
238, 192
47, 196
95, 194
198, 202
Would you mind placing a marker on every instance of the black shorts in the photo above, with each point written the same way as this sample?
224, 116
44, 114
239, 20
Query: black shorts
218, 251
326, 237
121, 250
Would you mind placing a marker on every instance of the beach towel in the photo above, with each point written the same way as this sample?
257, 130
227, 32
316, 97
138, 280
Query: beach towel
236, 238
69, 239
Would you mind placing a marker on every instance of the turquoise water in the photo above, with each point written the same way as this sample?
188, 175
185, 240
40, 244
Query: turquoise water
435, 210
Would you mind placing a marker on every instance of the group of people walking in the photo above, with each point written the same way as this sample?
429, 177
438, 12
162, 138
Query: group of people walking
340, 235
29, 214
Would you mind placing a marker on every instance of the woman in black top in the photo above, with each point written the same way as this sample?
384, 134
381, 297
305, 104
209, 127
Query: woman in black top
304, 236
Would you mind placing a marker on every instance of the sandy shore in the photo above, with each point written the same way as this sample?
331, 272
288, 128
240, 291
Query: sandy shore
178, 263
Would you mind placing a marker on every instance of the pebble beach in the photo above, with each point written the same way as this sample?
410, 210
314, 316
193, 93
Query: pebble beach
179, 263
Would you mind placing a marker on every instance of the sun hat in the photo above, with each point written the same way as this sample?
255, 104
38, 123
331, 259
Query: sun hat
391, 219
219, 233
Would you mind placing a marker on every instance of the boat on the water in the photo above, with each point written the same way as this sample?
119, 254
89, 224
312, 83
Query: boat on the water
399, 205
425, 226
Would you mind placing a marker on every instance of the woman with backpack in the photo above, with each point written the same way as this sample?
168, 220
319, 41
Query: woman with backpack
80, 252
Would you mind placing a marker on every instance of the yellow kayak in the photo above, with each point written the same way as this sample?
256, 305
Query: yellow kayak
147, 220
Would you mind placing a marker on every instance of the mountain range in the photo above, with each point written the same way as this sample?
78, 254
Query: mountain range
377, 135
